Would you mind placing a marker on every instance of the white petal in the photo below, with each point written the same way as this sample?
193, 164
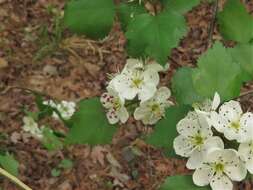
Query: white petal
141, 112
216, 101
202, 176
132, 64
218, 122
154, 66
195, 160
231, 110
245, 151
123, 114
221, 182
112, 116
146, 92
188, 127
123, 87
214, 155
246, 123
213, 143
162, 94
182, 146
237, 171
151, 77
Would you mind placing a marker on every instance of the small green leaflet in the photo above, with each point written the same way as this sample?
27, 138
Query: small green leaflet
50, 140
9, 163
182, 87
128, 11
217, 72
181, 183
243, 54
235, 22
165, 130
65, 164
155, 36
181, 6
92, 18
90, 125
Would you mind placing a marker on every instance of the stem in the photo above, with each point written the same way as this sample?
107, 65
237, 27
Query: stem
212, 25
14, 179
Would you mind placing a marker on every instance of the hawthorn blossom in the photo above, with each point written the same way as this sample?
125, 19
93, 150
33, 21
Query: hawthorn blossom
65, 108
208, 105
32, 127
115, 106
152, 110
231, 121
137, 79
246, 154
219, 168
195, 140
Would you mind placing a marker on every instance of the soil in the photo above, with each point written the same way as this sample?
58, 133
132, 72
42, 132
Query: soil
78, 69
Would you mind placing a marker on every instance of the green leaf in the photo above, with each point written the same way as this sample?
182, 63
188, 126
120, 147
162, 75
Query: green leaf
180, 183
92, 18
180, 6
66, 164
90, 125
217, 72
235, 23
243, 54
182, 87
128, 11
55, 172
50, 140
9, 163
155, 36
165, 130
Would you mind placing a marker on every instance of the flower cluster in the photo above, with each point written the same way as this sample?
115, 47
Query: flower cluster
136, 83
200, 141
31, 126
65, 108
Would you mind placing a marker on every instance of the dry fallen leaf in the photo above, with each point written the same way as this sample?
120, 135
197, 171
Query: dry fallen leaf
3, 63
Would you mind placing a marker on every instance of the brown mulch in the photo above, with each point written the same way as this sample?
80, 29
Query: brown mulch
65, 75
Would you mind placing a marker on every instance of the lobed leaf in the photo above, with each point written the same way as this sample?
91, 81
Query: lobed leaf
128, 11
9, 163
217, 72
235, 22
182, 87
90, 125
155, 36
180, 6
92, 18
180, 183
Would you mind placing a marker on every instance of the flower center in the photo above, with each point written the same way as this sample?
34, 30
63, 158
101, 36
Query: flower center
235, 125
198, 140
137, 82
219, 167
116, 104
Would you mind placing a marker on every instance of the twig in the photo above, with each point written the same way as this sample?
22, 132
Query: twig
212, 25
14, 179
245, 93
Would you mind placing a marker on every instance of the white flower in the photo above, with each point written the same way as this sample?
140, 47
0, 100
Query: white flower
31, 127
219, 168
137, 79
195, 139
152, 110
66, 108
232, 122
246, 154
208, 105
115, 106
